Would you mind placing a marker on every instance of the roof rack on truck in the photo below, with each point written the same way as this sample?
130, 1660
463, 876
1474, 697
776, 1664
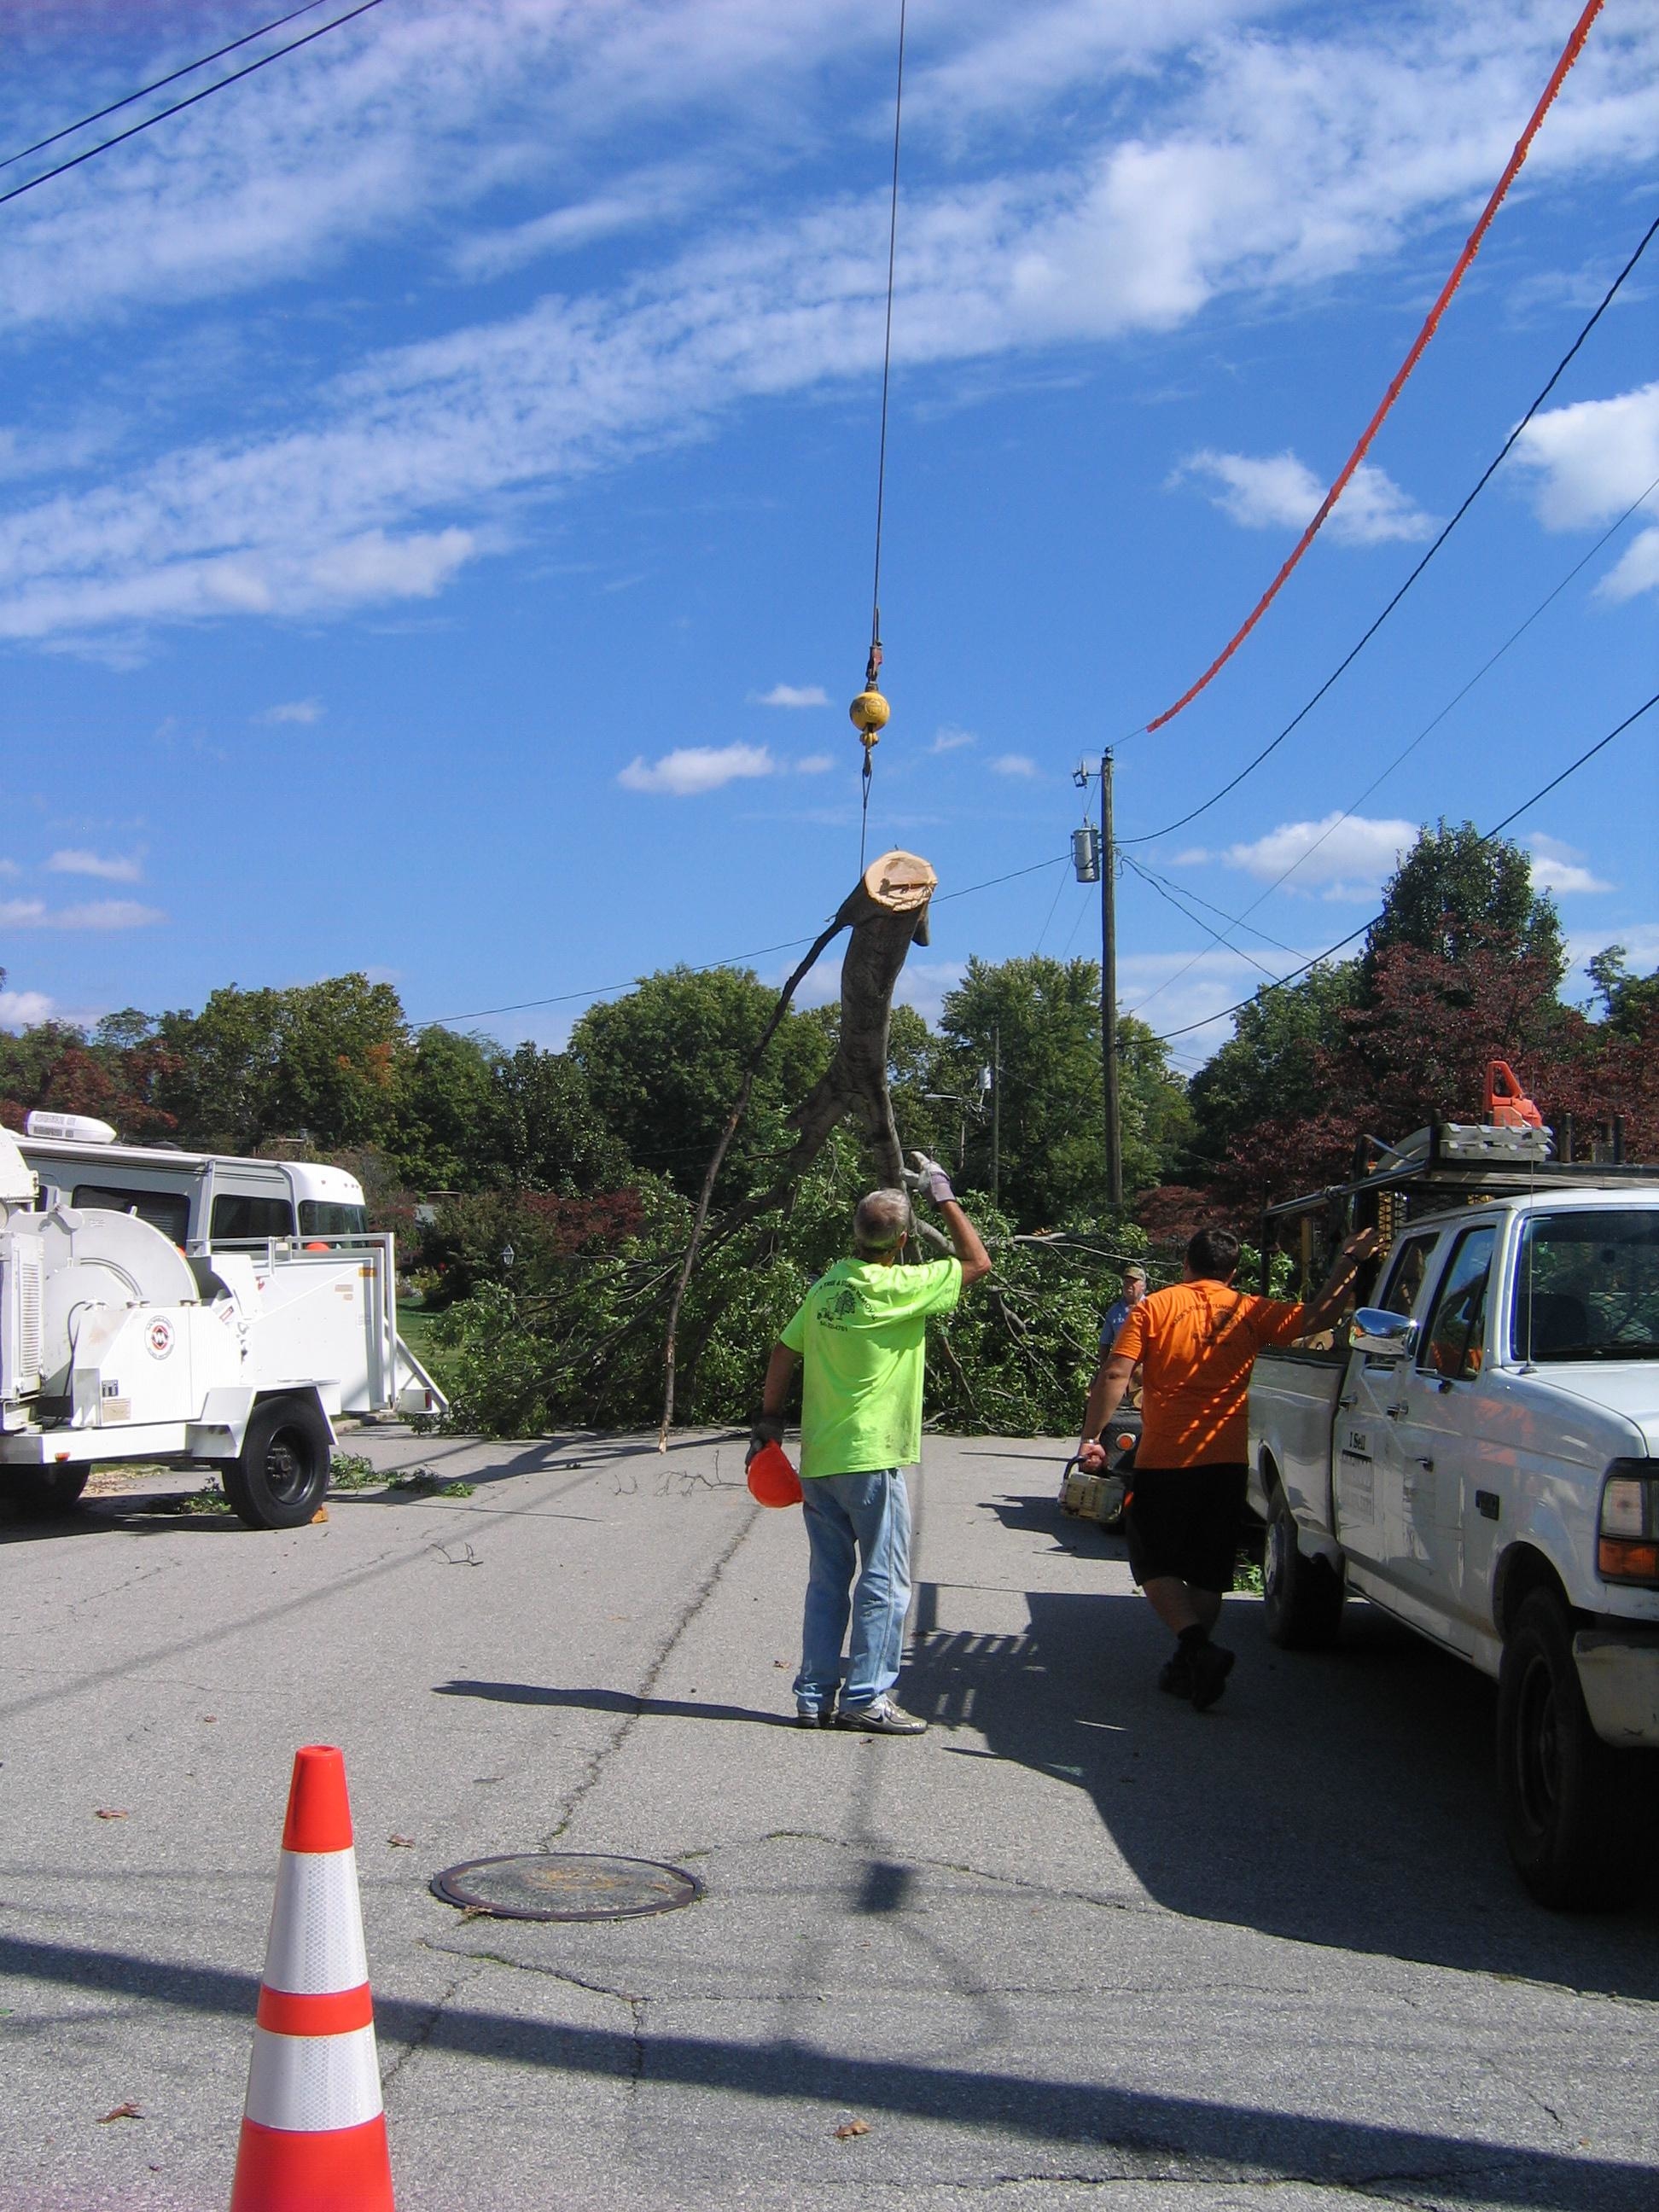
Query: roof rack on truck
1449, 1164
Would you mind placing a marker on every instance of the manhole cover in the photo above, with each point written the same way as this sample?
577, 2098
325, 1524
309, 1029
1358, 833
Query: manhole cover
566, 1885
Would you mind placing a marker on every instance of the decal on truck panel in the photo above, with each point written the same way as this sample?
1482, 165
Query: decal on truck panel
158, 1337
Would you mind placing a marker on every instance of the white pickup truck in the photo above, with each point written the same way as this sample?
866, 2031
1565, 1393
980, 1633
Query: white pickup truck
1481, 1460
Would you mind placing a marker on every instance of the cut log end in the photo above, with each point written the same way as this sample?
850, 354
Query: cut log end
900, 883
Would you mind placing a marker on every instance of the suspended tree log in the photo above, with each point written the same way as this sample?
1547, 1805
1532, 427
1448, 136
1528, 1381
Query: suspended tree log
887, 914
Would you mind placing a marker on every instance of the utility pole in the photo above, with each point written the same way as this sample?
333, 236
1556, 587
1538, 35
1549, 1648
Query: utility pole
1109, 990
996, 1115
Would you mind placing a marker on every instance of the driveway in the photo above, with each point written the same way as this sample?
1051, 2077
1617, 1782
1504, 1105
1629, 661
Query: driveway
1078, 1946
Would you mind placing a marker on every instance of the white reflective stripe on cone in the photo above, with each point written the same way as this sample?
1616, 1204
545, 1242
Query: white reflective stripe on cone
309, 2083
316, 1943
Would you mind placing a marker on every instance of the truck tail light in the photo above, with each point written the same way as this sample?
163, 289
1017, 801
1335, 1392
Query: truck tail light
1628, 1550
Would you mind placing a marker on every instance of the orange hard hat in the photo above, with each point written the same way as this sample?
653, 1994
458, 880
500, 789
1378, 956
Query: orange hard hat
771, 1478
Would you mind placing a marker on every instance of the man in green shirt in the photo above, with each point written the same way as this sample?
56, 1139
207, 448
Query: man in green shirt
859, 1336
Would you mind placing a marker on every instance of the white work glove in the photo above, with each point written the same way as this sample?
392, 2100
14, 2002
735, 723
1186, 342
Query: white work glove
927, 1175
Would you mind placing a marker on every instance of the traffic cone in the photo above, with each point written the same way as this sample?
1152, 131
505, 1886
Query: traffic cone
313, 2129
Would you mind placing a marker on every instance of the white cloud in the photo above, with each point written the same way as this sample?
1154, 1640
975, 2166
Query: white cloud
1260, 166
794, 695
118, 869
376, 566
1559, 868
1636, 570
653, 197
947, 739
21, 1010
1282, 492
923, 984
97, 914
9, 868
294, 710
1017, 764
692, 769
106, 914
1592, 460
1347, 857
1172, 990
815, 764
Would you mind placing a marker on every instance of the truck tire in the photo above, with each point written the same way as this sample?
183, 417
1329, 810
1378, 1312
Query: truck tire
41, 1491
281, 1476
1570, 1802
1301, 1598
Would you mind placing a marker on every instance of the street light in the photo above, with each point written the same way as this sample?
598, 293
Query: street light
990, 1094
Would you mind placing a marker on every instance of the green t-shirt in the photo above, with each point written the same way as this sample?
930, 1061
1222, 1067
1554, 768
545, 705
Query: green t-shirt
860, 1334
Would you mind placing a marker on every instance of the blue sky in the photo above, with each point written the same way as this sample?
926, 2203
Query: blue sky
437, 481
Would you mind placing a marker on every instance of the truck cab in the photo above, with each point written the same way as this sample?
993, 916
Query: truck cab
201, 1200
1480, 1458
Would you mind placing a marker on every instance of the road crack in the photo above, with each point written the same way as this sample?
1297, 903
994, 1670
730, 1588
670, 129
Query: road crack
597, 1760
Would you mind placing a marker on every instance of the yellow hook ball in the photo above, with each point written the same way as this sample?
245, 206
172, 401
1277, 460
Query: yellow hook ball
869, 713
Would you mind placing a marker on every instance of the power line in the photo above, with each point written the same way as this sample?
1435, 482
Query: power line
179, 106
1167, 893
1342, 943
160, 84
1405, 750
706, 967
1568, 55
1237, 920
1349, 658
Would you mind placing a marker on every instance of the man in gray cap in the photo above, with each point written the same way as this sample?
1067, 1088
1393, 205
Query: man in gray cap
1134, 1289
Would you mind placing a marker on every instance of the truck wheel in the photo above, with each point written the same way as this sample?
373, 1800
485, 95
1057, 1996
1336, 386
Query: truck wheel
282, 1477
41, 1491
1301, 1598
1571, 1804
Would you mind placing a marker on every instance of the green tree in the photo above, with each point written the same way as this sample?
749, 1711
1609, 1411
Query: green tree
1274, 1065
664, 1066
1040, 1020
448, 1112
321, 1060
1628, 1002
548, 1131
1456, 892
115, 1073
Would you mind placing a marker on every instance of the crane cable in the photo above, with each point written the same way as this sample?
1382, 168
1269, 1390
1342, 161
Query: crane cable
868, 726
1568, 55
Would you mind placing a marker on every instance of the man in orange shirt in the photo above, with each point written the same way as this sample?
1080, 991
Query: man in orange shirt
1195, 1344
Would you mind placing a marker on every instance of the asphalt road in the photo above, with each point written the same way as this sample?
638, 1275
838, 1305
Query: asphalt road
1078, 1946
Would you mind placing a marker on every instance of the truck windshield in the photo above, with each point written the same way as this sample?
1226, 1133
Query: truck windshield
1587, 1286
322, 1217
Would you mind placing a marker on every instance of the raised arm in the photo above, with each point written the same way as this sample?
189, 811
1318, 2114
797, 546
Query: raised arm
965, 1240
1329, 1303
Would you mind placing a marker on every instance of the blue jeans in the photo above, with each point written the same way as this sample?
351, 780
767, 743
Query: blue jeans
852, 1519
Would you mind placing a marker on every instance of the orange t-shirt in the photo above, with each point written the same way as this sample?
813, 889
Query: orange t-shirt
1196, 1343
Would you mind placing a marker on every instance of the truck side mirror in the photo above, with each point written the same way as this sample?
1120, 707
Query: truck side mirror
1381, 1335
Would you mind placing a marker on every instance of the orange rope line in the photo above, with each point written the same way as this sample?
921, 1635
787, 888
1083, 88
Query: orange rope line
1523, 145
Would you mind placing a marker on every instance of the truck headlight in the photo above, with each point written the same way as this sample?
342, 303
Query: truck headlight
1628, 1548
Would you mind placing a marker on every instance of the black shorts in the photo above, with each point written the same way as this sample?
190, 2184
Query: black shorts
1184, 1522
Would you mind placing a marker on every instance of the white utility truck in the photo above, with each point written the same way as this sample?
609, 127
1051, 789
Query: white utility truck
1481, 1459
149, 1310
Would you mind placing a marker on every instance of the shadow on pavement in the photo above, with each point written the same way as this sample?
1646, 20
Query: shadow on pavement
1343, 1798
1148, 2135
608, 1701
